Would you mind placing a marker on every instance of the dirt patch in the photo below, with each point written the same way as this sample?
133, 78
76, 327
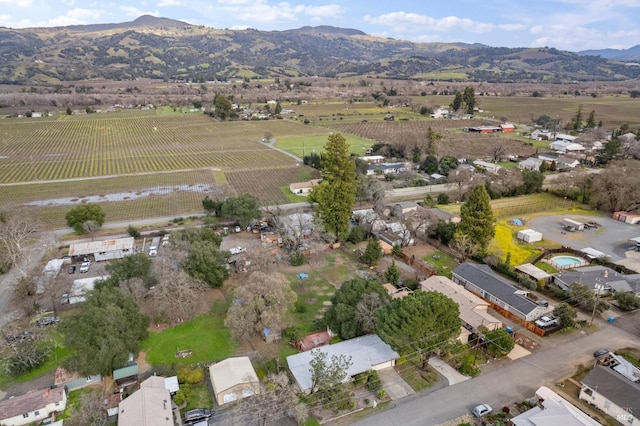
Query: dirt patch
143, 365
419, 251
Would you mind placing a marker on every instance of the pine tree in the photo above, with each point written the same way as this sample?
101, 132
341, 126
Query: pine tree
336, 193
477, 221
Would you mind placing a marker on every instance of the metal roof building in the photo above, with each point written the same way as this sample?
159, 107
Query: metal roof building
104, 250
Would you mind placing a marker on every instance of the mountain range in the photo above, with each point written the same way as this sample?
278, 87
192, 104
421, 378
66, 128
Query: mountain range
168, 49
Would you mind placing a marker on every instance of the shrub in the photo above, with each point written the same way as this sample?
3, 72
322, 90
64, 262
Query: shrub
628, 301
183, 394
190, 375
133, 231
357, 235
373, 380
381, 394
297, 259
443, 198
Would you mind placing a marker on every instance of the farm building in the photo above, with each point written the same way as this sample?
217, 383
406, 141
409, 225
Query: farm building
366, 352
627, 217
566, 146
473, 310
81, 287
104, 250
303, 188
529, 236
233, 379
565, 137
507, 128
484, 129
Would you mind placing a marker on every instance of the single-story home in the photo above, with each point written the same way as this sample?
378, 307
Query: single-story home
593, 276
303, 188
373, 159
542, 135
404, 207
104, 250
565, 137
366, 353
548, 157
552, 409
233, 379
473, 310
530, 164
481, 280
565, 163
612, 393
386, 168
444, 216
151, 405
32, 407
626, 217
489, 167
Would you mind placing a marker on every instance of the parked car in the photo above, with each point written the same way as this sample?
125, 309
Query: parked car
42, 322
546, 321
197, 415
72, 269
482, 410
600, 352
85, 267
237, 250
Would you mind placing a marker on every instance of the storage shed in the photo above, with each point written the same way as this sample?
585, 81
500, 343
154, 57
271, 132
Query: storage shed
233, 379
529, 236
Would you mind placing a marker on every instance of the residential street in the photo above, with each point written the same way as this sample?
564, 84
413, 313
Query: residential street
505, 381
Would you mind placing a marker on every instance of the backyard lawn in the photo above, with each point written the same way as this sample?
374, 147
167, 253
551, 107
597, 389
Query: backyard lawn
206, 336
441, 262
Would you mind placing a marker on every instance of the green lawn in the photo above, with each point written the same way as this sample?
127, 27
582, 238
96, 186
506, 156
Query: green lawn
200, 397
206, 336
293, 198
443, 262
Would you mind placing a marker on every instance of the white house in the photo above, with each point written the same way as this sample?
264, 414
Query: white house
233, 379
489, 167
530, 164
366, 353
566, 146
552, 409
303, 188
32, 407
612, 393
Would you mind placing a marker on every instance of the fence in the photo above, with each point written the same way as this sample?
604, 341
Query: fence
526, 324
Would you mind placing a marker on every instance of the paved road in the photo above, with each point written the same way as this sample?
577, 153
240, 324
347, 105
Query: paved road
506, 381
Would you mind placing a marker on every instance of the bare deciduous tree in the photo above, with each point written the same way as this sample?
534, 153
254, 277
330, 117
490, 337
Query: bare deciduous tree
261, 303
17, 241
366, 310
134, 287
464, 246
90, 410
295, 228
177, 295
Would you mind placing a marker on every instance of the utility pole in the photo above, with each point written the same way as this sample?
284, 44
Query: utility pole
597, 301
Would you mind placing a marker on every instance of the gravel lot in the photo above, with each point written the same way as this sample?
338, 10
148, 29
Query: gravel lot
611, 238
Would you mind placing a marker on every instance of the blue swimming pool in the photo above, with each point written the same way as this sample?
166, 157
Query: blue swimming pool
567, 261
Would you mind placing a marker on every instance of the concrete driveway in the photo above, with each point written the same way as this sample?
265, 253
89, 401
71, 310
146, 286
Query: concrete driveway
447, 371
395, 386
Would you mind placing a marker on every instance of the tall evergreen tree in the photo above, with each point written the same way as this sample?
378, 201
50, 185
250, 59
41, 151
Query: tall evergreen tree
477, 219
469, 99
336, 193
457, 102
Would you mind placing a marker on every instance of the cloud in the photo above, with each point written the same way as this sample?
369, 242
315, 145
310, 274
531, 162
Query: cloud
326, 11
413, 22
76, 16
576, 38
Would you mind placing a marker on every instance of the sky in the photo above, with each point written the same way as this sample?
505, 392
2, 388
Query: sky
572, 25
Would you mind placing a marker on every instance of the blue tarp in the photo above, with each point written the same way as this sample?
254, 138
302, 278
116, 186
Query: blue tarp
516, 222
302, 275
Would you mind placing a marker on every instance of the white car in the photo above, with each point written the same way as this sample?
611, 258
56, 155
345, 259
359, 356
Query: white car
237, 250
84, 267
482, 410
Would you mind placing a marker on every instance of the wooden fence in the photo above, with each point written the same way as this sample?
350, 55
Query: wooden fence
526, 324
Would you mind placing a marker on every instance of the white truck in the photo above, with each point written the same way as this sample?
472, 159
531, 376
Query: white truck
546, 321
153, 247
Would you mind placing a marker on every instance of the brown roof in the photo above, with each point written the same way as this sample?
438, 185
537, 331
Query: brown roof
29, 402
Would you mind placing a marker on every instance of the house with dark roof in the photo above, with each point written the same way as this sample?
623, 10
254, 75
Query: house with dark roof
32, 407
481, 280
613, 394
609, 280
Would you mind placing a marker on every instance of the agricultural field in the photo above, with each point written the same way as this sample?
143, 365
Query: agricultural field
266, 184
455, 142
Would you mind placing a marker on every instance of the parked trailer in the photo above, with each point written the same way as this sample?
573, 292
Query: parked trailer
153, 248
572, 225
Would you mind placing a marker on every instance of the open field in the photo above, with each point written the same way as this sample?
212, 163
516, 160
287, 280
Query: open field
305, 145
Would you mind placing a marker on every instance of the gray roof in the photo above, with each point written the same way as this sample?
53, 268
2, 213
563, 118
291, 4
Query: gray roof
441, 214
500, 288
613, 386
365, 352
590, 276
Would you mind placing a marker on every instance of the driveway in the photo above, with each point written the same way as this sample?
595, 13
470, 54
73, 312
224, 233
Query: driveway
612, 238
447, 371
395, 386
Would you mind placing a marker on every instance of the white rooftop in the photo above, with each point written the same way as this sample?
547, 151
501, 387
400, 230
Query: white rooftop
231, 372
365, 352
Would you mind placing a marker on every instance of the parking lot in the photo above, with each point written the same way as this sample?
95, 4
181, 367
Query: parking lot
611, 238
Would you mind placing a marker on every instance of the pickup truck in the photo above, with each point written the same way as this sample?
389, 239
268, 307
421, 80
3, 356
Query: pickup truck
546, 321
